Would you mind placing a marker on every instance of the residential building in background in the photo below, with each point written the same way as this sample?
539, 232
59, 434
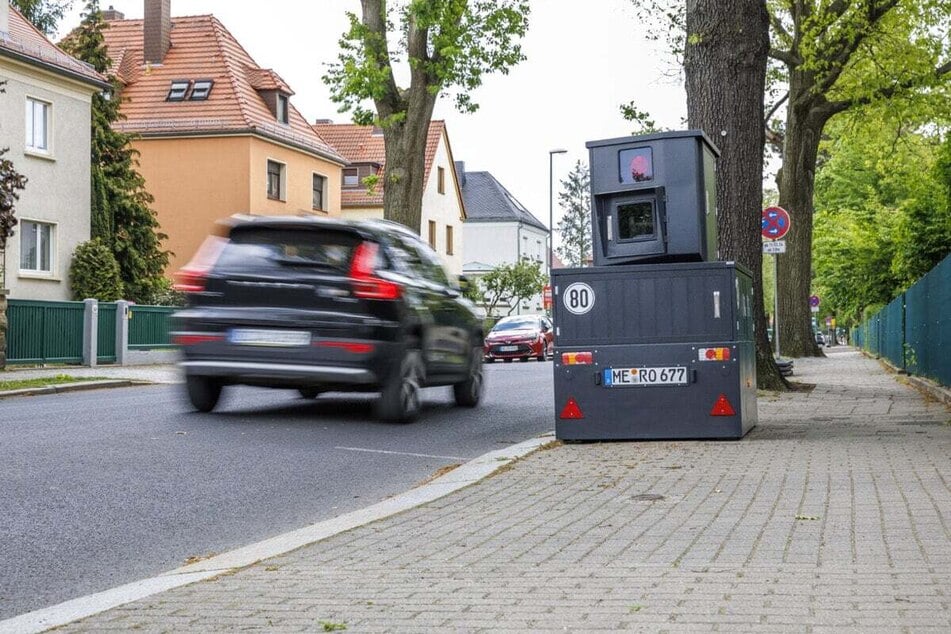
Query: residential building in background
45, 123
443, 210
217, 134
499, 230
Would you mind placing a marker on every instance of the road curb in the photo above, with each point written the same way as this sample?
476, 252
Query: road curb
61, 388
229, 562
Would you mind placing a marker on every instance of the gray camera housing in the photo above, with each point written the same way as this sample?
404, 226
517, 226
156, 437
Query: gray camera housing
653, 198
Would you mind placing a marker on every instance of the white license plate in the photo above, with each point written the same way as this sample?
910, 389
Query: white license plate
276, 338
508, 348
640, 377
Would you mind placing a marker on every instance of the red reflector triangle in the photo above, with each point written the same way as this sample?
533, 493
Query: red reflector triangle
722, 407
571, 409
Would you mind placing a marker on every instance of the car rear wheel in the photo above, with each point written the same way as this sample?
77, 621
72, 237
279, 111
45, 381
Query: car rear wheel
203, 392
400, 399
468, 393
310, 392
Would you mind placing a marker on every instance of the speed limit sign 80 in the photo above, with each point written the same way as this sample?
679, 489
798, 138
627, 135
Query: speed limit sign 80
578, 298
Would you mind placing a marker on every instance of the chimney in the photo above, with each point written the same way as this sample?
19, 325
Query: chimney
157, 29
111, 14
5, 17
461, 173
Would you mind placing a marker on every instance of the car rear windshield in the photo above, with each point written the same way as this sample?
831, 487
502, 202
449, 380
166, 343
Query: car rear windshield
257, 248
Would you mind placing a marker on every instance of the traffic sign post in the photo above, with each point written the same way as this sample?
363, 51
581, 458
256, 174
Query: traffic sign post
775, 225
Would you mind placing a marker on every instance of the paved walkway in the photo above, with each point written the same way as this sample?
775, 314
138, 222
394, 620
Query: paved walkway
165, 373
834, 513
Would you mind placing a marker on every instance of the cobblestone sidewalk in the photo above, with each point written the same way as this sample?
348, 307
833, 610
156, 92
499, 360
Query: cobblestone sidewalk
834, 513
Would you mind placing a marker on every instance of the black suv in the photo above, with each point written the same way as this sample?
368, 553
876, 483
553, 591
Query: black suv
325, 305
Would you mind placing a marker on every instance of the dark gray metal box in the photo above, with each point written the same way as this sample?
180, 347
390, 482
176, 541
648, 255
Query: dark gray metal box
654, 198
690, 323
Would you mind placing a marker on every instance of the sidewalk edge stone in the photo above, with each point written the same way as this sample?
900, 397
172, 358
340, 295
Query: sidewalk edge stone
75, 609
61, 388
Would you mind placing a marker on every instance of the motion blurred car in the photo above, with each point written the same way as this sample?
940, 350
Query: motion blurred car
323, 305
520, 337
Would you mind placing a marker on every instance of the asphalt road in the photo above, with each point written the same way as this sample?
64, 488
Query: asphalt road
105, 487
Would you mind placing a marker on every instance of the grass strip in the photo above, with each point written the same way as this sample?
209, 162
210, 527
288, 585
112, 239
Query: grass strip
59, 379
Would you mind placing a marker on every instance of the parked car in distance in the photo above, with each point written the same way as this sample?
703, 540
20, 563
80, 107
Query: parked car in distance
820, 339
520, 337
324, 305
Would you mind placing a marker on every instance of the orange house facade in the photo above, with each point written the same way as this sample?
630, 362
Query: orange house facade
216, 134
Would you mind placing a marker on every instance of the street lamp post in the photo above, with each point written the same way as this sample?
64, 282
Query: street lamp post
551, 205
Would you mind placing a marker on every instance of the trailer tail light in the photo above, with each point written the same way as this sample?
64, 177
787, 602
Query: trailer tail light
366, 283
577, 358
193, 277
713, 354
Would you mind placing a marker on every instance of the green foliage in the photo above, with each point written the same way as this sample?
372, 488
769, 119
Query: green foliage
509, 284
11, 182
94, 273
447, 44
883, 212
121, 216
44, 14
643, 124
575, 225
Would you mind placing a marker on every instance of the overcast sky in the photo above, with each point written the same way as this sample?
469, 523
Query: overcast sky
585, 58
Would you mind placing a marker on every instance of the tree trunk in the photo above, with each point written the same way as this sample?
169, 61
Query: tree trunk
403, 178
725, 68
796, 183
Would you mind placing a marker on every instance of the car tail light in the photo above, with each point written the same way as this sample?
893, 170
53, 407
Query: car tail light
193, 338
577, 358
194, 275
366, 284
348, 346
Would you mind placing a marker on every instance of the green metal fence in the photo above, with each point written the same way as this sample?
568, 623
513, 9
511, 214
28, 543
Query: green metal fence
149, 326
44, 332
914, 331
106, 337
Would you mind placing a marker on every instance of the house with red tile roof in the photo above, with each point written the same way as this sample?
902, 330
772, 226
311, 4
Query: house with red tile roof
443, 210
50, 146
217, 134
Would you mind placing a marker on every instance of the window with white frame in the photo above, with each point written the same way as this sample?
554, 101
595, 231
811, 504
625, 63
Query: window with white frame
275, 180
320, 192
36, 247
38, 125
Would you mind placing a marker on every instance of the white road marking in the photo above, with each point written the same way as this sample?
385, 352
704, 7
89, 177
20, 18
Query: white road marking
398, 453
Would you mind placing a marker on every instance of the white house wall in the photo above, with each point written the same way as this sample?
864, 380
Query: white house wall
444, 209
57, 190
496, 243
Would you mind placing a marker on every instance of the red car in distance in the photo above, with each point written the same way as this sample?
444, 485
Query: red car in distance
520, 337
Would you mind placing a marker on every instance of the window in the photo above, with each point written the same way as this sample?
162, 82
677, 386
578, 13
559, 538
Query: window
178, 90
351, 177
441, 183
201, 89
432, 233
448, 239
36, 247
635, 220
282, 109
275, 180
320, 186
37, 125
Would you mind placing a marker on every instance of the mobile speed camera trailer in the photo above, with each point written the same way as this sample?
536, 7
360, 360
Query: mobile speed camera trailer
655, 341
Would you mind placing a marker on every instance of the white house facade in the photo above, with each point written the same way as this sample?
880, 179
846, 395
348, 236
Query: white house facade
45, 123
499, 230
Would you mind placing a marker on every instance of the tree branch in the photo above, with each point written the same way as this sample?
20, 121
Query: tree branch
378, 53
830, 108
777, 25
786, 57
775, 107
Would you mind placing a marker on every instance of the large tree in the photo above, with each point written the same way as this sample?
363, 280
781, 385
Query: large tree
444, 45
44, 14
725, 59
575, 224
833, 57
121, 215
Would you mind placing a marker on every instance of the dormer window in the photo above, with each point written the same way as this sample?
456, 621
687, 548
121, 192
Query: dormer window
282, 108
201, 89
178, 90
